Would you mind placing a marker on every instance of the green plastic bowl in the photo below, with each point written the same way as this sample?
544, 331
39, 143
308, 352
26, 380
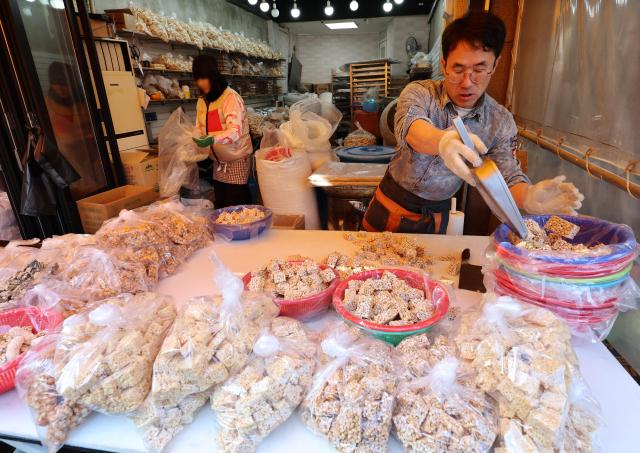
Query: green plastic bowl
395, 334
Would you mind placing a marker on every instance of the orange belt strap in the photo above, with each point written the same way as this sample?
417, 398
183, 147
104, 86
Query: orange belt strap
396, 212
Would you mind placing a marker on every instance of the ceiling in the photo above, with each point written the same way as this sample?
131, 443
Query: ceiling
313, 10
372, 25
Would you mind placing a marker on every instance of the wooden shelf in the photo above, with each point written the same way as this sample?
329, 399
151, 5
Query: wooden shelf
365, 75
176, 71
148, 38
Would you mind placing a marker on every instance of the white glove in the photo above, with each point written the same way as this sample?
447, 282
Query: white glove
454, 153
553, 196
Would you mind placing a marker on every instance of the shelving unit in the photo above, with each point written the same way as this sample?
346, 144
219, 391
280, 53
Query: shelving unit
342, 95
131, 34
364, 75
248, 85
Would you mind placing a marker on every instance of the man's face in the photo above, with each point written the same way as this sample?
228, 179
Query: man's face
468, 71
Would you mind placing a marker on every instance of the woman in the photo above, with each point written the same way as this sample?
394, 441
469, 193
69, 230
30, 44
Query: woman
222, 120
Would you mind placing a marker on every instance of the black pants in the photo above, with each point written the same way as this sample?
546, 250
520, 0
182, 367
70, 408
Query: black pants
231, 194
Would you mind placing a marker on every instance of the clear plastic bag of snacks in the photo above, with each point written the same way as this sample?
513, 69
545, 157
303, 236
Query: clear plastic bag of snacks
104, 357
360, 137
254, 402
438, 405
211, 339
522, 356
352, 395
55, 416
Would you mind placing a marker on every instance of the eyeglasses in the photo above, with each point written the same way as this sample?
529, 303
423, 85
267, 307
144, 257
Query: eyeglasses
477, 76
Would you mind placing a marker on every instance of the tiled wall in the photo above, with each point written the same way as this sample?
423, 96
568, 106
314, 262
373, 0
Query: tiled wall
319, 53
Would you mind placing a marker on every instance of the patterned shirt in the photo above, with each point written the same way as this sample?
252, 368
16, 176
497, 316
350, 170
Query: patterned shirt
232, 131
426, 175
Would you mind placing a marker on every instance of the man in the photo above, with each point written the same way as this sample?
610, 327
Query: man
431, 162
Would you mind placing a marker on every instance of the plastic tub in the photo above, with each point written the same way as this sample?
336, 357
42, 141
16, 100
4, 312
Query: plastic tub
395, 334
571, 296
244, 231
20, 317
619, 238
307, 307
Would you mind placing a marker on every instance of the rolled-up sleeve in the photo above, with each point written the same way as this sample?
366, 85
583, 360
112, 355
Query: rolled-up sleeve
503, 153
413, 104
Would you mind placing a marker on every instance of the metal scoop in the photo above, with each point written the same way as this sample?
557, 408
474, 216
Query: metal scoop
493, 188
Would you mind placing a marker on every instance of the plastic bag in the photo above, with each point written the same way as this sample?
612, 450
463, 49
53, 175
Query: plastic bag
8, 226
253, 403
523, 358
55, 416
160, 236
211, 339
176, 162
360, 137
352, 395
55, 295
311, 124
370, 100
438, 406
159, 424
105, 355
296, 196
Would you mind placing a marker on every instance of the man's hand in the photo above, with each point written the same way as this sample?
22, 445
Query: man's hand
204, 141
553, 196
454, 153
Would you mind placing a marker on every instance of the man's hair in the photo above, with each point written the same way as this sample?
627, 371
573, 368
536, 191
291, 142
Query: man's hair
478, 29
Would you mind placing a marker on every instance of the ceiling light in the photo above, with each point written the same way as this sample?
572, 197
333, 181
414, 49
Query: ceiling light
328, 10
341, 25
353, 6
274, 12
264, 6
253, 2
398, 2
387, 7
295, 12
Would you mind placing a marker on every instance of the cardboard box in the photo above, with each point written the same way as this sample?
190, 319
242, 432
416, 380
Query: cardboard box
96, 209
288, 222
102, 26
141, 167
322, 88
123, 18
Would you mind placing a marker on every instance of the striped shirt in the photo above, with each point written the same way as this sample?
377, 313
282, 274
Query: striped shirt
426, 175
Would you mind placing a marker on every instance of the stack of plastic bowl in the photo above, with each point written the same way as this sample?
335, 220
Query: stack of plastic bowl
588, 289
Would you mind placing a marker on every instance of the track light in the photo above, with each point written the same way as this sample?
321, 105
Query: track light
328, 10
387, 7
275, 12
295, 12
264, 6
353, 6
398, 2
253, 2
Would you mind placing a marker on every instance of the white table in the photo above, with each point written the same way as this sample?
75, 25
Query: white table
617, 392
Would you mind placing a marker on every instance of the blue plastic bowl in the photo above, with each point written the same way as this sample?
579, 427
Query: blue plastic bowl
241, 232
619, 238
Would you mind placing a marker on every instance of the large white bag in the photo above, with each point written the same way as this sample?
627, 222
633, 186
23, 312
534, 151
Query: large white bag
284, 185
311, 125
